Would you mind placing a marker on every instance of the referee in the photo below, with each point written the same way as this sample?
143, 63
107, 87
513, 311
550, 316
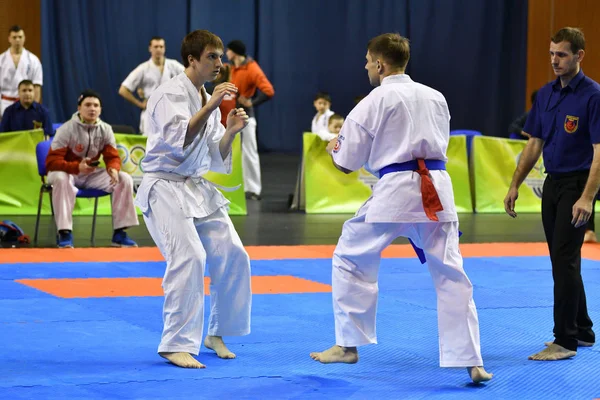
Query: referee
564, 124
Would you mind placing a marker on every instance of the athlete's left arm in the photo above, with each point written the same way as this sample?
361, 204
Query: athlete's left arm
351, 148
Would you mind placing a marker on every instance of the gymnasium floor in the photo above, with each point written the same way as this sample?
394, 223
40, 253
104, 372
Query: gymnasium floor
85, 323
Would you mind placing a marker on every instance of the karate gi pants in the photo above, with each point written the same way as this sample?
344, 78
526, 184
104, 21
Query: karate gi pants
356, 263
65, 187
188, 244
250, 159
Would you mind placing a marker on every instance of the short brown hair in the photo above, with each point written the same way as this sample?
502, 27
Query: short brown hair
194, 44
157, 38
392, 48
323, 95
24, 82
572, 35
335, 117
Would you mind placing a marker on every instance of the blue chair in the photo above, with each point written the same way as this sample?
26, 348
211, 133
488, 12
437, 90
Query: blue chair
516, 136
55, 126
41, 152
469, 134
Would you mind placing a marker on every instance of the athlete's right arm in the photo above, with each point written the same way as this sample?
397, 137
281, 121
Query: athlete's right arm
127, 95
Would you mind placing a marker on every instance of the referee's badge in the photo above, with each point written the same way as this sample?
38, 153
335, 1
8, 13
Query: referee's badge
571, 124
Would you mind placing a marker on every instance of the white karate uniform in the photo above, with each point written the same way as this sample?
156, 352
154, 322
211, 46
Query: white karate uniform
250, 158
148, 77
187, 218
320, 126
29, 67
397, 122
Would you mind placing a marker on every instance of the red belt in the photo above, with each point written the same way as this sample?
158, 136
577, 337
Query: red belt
9, 98
431, 200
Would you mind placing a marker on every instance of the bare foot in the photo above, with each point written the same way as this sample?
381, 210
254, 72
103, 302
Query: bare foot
553, 352
183, 360
590, 237
580, 343
337, 354
216, 344
478, 374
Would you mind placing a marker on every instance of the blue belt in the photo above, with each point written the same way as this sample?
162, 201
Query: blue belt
413, 165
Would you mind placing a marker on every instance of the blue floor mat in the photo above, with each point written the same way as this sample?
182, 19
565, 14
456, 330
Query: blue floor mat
105, 348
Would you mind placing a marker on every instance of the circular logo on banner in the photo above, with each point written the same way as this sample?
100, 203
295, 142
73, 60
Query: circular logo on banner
131, 161
537, 176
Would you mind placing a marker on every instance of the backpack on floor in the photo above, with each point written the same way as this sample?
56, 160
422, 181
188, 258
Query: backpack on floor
10, 232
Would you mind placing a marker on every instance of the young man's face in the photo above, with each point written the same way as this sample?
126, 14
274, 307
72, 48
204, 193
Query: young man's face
564, 62
157, 49
321, 105
90, 109
26, 94
335, 126
209, 65
372, 71
16, 39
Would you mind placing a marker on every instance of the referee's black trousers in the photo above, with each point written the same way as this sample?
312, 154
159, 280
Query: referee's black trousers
571, 319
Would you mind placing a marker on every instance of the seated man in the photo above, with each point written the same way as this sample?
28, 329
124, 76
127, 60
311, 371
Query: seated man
72, 164
26, 114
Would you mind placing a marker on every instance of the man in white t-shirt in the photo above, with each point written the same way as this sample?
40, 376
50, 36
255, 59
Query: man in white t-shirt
18, 64
148, 76
400, 132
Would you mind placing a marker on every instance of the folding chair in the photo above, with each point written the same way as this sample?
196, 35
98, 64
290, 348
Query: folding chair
41, 152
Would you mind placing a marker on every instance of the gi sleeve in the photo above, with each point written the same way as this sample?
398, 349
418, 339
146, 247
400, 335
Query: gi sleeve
171, 116
134, 79
37, 73
217, 164
353, 146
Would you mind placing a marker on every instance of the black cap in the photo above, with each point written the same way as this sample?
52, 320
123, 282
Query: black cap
88, 93
238, 47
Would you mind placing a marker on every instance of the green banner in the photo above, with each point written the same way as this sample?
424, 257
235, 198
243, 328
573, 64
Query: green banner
20, 187
21, 182
329, 191
494, 163
458, 169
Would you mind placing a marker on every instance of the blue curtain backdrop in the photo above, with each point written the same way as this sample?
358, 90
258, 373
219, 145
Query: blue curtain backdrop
473, 51
96, 44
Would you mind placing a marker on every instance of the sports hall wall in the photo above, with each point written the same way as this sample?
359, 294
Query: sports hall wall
473, 51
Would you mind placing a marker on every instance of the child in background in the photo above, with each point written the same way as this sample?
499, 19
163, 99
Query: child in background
334, 126
320, 121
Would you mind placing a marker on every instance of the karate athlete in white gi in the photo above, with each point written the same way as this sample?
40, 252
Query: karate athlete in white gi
186, 215
18, 64
400, 132
148, 76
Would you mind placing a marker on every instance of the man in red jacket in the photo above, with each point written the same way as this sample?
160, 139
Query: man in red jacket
72, 164
247, 76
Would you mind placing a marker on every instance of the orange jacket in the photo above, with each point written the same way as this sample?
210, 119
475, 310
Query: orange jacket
248, 77
227, 104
